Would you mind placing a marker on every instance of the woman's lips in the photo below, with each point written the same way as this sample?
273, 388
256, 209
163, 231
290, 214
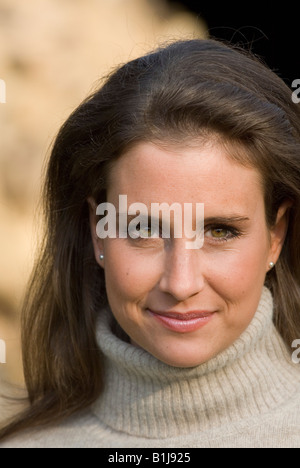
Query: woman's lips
183, 322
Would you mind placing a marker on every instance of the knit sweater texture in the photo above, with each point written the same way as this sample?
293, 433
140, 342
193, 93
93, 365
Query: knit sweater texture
246, 396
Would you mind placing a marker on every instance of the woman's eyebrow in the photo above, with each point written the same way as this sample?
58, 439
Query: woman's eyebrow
210, 219
226, 219
142, 216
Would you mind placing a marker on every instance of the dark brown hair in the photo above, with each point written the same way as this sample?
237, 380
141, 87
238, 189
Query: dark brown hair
186, 89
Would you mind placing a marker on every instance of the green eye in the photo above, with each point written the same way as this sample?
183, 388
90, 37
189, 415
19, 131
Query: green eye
145, 232
219, 233
142, 232
222, 233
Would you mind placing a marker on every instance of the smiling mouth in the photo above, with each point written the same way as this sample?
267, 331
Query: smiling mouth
183, 322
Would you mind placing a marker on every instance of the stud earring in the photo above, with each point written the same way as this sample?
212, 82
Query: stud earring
101, 256
271, 265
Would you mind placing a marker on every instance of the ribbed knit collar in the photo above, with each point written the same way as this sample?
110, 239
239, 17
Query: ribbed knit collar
145, 397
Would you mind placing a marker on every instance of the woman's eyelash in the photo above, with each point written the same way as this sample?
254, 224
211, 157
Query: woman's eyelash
157, 233
231, 232
223, 233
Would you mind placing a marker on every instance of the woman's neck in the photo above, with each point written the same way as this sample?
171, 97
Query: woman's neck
147, 398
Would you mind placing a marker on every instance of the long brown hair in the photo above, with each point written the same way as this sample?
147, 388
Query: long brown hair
185, 89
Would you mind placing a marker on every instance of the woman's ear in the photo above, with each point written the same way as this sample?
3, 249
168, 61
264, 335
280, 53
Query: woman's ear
279, 231
97, 242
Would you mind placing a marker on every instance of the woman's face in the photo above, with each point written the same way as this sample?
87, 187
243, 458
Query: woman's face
182, 305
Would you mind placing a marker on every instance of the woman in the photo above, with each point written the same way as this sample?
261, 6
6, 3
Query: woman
137, 340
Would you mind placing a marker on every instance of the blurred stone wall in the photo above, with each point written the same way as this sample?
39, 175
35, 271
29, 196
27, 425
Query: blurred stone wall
52, 53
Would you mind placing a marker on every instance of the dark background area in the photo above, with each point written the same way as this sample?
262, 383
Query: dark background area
270, 31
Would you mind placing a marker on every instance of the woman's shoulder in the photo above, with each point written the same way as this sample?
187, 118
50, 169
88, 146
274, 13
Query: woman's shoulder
276, 427
77, 431
13, 400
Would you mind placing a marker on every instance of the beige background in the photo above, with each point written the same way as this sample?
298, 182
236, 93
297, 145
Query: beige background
52, 54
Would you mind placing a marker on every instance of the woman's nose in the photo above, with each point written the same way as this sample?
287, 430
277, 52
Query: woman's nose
183, 271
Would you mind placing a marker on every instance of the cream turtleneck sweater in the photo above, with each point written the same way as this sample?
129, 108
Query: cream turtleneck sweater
247, 396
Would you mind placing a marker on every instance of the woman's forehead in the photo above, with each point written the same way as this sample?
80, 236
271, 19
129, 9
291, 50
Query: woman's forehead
204, 174
163, 168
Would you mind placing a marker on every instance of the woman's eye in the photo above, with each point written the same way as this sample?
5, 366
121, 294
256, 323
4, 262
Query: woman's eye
221, 233
143, 232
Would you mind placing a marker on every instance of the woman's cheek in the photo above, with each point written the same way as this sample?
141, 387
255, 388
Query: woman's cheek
132, 278
234, 272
